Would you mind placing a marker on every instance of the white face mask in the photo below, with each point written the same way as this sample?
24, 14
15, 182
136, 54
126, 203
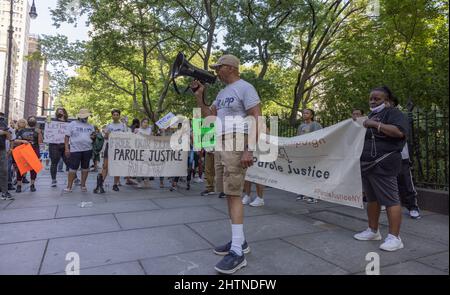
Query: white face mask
378, 108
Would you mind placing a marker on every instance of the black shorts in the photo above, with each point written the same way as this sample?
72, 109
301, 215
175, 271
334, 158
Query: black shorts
78, 158
105, 152
381, 188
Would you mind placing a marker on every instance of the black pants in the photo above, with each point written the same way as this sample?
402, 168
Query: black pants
32, 172
56, 151
406, 190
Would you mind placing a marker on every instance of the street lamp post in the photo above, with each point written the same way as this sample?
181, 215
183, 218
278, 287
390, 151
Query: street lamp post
33, 15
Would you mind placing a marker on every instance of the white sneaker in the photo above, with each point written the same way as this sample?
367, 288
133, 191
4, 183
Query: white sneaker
140, 185
368, 235
200, 180
392, 243
246, 200
257, 202
414, 214
196, 180
383, 208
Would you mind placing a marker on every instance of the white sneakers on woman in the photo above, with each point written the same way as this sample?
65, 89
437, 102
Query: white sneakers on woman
391, 243
257, 202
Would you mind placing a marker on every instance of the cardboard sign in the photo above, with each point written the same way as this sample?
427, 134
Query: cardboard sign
55, 131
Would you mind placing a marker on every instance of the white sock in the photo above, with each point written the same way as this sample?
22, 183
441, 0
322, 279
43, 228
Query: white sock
237, 238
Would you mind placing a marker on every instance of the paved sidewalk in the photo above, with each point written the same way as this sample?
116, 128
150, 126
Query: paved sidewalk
155, 231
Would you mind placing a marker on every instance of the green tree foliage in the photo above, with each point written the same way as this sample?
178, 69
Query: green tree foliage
324, 54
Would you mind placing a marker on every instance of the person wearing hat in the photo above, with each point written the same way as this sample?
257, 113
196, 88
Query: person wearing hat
78, 148
238, 100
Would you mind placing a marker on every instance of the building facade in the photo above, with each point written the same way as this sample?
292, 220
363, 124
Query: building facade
21, 25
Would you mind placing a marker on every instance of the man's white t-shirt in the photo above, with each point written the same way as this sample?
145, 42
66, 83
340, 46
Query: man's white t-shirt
235, 100
80, 136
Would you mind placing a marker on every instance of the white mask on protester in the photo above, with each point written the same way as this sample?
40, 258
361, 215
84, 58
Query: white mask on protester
378, 108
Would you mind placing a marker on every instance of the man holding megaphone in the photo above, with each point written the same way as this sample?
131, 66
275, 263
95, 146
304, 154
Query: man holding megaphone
238, 99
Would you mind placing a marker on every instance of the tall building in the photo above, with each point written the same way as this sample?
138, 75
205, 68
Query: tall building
4, 71
21, 25
37, 82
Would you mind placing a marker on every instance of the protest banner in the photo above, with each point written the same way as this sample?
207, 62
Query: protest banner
55, 131
26, 159
141, 155
165, 121
323, 164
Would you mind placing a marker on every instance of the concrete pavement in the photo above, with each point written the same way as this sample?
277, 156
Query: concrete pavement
155, 231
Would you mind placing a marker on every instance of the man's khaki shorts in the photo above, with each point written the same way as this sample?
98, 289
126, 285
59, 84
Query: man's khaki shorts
233, 173
228, 165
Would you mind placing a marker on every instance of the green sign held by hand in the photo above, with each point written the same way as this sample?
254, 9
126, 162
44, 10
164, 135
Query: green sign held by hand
203, 136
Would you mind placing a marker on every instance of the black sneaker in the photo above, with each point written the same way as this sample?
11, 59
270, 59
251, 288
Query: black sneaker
206, 193
115, 188
231, 263
222, 195
188, 186
7, 197
24, 180
19, 189
11, 187
32, 188
225, 249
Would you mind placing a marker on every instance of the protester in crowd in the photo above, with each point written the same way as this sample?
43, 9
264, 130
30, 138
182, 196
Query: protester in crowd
357, 113
240, 99
78, 148
97, 147
21, 124
29, 135
259, 199
308, 125
380, 164
406, 189
5, 136
115, 126
209, 172
190, 163
9, 149
134, 125
56, 150
145, 130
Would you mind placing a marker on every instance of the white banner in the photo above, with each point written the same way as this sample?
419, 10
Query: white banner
139, 155
55, 131
323, 164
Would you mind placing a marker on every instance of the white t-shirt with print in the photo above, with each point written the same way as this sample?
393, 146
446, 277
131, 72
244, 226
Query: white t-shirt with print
235, 100
80, 136
116, 127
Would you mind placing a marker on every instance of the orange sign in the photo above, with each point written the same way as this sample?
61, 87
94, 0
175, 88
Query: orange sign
26, 159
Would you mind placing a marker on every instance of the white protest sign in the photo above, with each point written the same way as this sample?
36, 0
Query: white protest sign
55, 131
323, 164
164, 122
140, 155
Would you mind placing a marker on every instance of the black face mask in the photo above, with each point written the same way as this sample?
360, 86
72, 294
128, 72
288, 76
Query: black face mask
59, 115
32, 123
83, 120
